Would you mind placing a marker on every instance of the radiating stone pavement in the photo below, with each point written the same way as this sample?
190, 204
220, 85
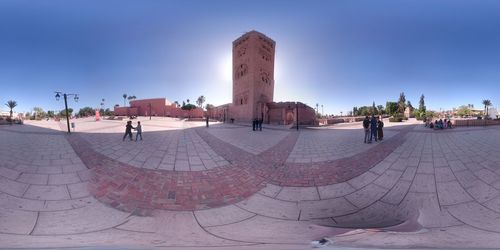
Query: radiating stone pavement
236, 188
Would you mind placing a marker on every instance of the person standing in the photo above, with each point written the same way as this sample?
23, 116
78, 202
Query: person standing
366, 126
138, 128
373, 127
260, 124
128, 130
380, 127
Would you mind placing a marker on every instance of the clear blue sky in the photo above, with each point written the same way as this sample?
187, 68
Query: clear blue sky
336, 53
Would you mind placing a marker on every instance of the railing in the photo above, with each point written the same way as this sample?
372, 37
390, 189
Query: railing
473, 123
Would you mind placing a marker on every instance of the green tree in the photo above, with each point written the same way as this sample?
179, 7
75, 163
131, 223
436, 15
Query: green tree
421, 104
39, 113
380, 109
209, 106
401, 103
124, 99
86, 111
63, 112
11, 105
486, 104
50, 113
464, 111
131, 98
391, 108
374, 110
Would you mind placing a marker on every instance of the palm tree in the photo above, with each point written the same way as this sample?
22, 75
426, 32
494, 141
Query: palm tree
187, 101
486, 104
124, 98
200, 101
177, 104
11, 105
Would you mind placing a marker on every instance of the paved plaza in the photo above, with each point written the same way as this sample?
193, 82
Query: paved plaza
229, 187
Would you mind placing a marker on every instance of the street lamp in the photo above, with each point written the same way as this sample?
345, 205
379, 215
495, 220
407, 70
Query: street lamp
58, 96
297, 108
149, 111
102, 105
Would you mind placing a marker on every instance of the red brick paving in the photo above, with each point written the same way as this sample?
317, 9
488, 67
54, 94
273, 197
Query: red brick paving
136, 189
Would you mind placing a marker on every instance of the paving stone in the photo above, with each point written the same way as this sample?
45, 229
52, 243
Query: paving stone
388, 179
16, 203
450, 193
397, 193
270, 207
298, 194
98, 217
472, 213
29, 178
482, 192
325, 208
362, 180
270, 190
9, 173
17, 221
366, 196
43, 192
423, 183
221, 216
78, 190
68, 178
12, 187
444, 174
335, 190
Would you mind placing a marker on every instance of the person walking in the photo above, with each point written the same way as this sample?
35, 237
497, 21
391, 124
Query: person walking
138, 128
380, 127
128, 130
366, 126
260, 124
373, 128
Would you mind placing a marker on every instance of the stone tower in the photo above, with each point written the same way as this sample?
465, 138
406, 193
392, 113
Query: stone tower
253, 76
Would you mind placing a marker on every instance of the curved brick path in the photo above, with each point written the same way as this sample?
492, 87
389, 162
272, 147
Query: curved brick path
140, 190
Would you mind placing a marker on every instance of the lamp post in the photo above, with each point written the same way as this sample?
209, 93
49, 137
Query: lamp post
58, 96
149, 111
340, 113
102, 106
297, 109
322, 110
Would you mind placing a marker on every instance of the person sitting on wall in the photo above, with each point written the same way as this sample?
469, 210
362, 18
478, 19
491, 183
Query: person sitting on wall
431, 125
449, 124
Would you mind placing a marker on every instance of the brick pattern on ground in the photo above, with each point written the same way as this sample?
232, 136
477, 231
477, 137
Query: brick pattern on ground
132, 189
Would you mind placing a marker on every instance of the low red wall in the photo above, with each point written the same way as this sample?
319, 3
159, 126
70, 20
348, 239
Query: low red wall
470, 123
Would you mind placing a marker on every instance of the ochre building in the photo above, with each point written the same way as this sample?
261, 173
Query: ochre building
157, 107
253, 86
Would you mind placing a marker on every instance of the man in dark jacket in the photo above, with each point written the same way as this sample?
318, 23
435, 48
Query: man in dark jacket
373, 127
366, 127
128, 130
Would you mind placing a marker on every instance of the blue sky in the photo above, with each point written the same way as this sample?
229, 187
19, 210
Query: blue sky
336, 53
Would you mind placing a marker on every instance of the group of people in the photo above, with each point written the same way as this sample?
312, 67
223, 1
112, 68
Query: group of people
257, 124
373, 129
439, 124
128, 130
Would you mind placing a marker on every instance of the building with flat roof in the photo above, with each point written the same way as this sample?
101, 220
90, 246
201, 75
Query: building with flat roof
157, 107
